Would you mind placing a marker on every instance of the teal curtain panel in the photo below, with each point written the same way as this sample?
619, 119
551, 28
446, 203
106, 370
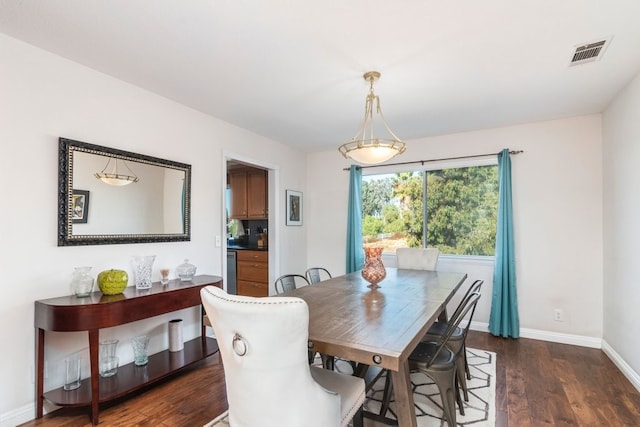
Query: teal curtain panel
504, 320
355, 254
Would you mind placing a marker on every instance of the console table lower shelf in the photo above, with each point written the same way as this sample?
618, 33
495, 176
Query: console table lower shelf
130, 377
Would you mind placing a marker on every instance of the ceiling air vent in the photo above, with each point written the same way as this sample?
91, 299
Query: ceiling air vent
589, 52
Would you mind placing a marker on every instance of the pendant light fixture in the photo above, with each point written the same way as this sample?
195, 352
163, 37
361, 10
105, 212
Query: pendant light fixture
115, 177
364, 147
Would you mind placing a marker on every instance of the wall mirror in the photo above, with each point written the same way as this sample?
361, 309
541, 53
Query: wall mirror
109, 196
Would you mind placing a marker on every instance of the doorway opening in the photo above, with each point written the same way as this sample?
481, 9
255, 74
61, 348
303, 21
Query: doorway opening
249, 212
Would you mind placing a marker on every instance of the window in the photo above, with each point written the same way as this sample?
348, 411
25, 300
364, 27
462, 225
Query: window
453, 209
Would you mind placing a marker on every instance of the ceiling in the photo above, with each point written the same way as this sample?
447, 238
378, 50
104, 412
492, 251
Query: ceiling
292, 70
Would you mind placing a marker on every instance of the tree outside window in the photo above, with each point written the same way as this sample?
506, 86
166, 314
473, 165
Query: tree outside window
458, 210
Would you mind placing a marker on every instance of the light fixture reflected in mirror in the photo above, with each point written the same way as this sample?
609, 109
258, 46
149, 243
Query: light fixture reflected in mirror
114, 177
364, 147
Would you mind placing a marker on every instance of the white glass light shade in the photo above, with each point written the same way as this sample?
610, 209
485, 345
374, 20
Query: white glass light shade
116, 180
370, 154
114, 177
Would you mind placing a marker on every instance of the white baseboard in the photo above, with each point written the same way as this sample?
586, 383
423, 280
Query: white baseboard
561, 338
536, 334
24, 413
624, 367
18, 416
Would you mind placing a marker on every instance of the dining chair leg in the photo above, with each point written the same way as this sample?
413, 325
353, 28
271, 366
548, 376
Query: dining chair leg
466, 364
446, 382
358, 418
459, 376
328, 362
386, 395
462, 381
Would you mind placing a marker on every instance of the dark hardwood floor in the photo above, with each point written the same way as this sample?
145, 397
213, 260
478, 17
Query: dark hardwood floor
537, 384
540, 383
191, 398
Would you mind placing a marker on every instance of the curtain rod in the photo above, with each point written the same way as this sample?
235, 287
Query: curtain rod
435, 160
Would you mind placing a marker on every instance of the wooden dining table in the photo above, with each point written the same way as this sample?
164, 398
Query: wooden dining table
378, 327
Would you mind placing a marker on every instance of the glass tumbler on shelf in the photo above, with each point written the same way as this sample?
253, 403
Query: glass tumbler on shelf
108, 364
140, 346
142, 265
164, 276
72, 375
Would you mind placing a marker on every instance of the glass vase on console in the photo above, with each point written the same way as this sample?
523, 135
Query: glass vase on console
373, 270
81, 282
142, 265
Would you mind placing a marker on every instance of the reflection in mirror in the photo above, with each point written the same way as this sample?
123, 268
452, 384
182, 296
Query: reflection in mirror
155, 208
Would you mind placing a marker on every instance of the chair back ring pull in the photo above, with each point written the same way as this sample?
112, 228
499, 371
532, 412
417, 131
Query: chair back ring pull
238, 344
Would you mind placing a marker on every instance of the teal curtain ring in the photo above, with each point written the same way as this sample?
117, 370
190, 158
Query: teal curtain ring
239, 346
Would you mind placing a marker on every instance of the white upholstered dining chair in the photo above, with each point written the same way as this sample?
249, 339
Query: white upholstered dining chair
263, 344
418, 258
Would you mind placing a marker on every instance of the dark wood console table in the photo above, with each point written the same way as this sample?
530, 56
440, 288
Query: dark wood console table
97, 311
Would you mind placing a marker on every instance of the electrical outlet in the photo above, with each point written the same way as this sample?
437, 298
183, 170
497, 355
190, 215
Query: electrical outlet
557, 315
218, 241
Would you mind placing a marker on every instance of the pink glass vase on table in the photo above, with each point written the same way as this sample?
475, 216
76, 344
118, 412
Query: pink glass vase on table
373, 270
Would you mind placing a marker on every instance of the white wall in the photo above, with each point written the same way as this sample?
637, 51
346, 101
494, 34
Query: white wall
43, 97
621, 137
557, 202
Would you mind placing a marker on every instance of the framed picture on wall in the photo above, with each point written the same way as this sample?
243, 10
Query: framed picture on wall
80, 206
294, 207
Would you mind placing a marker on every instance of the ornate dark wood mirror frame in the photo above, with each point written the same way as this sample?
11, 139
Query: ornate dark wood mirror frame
69, 149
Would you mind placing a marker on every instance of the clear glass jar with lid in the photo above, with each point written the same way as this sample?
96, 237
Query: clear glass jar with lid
185, 271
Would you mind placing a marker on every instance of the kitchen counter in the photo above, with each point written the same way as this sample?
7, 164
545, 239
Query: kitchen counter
247, 247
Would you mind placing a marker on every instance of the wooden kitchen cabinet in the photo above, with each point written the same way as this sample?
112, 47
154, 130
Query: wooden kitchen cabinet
238, 186
253, 273
257, 194
248, 194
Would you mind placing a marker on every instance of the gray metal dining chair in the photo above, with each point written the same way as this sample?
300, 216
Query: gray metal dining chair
457, 341
289, 282
317, 274
436, 360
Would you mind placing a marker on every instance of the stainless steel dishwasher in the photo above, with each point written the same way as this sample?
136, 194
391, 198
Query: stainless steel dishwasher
232, 287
